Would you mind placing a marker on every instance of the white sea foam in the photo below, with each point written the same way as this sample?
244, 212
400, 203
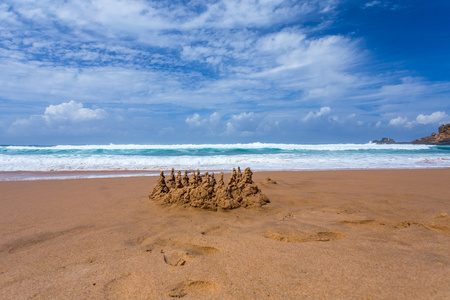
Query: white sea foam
257, 162
258, 156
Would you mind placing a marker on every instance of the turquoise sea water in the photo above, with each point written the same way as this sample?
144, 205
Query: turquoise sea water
150, 159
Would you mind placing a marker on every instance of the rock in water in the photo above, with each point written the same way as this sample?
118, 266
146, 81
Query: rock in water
207, 194
384, 141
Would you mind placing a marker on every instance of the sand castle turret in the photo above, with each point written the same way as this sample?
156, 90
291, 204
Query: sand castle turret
171, 180
239, 174
199, 177
233, 177
240, 192
193, 181
247, 177
185, 180
221, 182
213, 180
160, 189
178, 183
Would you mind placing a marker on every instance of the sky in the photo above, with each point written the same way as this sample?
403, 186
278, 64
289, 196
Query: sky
222, 71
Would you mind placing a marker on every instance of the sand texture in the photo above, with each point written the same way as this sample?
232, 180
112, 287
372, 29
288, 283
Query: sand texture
381, 234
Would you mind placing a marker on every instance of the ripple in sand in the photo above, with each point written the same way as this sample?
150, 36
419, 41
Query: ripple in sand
298, 237
362, 222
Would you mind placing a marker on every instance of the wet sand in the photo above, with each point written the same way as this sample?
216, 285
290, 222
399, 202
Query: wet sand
378, 234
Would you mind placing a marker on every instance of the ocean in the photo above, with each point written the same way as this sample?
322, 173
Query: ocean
87, 161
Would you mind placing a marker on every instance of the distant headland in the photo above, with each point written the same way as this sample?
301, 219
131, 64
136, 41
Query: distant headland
442, 138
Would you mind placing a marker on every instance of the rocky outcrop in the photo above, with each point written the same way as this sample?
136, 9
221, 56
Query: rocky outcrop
384, 141
442, 138
207, 193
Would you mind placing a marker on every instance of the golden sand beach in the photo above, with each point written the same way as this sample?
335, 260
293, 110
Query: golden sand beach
378, 234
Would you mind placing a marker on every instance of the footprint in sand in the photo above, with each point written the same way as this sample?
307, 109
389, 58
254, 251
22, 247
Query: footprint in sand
368, 224
175, 252
195, 288
180, 254
301, 237
176, 257
443, 229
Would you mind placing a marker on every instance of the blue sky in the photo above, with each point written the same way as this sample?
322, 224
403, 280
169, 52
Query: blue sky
150, 72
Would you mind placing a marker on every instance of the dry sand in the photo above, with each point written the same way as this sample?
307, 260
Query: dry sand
337, 235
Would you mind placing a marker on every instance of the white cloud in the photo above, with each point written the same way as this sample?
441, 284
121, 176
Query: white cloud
209, 123
7, 17
68, 117
438, 117
72, 111
194, 121
434, 118
398, 121
314, 115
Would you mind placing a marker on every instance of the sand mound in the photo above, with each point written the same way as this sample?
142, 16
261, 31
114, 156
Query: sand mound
207, 193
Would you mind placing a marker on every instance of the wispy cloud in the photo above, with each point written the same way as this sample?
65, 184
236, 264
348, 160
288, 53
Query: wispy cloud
372, 3
386, 4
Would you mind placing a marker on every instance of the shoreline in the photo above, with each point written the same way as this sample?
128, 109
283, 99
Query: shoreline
67, 175
379, 234
12, 176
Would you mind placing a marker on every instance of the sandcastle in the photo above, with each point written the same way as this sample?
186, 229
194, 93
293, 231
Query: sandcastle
206, 192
